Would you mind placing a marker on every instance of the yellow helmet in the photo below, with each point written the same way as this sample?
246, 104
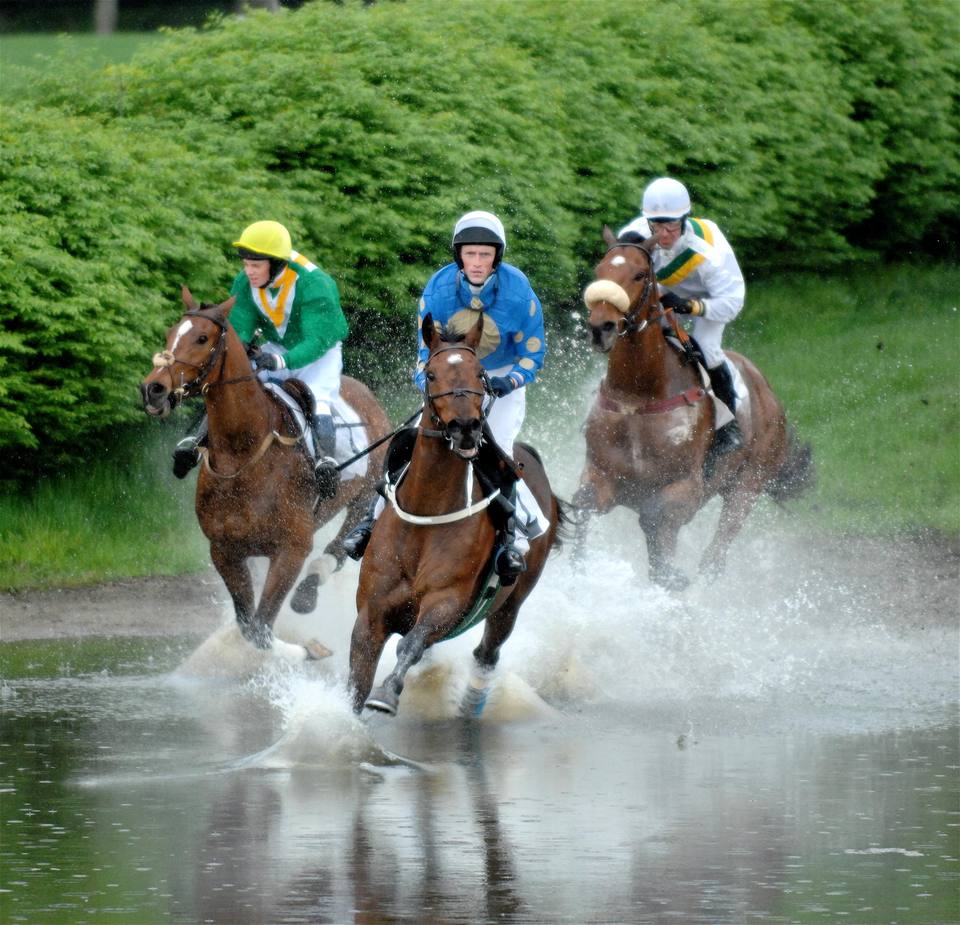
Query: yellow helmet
265, 239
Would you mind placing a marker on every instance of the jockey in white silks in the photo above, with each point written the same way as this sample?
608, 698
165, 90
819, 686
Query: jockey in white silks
698, 275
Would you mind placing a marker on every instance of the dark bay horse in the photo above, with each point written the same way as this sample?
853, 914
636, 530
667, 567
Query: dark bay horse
428, 557
256, 494
652, 424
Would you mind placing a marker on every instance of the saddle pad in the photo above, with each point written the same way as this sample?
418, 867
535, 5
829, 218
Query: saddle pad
351, 432
721, 412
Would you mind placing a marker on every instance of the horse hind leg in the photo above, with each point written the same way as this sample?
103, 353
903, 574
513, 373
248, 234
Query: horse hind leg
281, 575
736, 506
304, 598
331, 560
497, 629
661, 548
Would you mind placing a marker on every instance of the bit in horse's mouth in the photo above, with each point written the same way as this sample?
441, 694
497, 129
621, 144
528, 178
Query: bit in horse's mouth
467, 454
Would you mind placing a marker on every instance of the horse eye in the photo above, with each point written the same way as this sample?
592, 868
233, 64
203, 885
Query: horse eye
431, 377
639, 277
202, 339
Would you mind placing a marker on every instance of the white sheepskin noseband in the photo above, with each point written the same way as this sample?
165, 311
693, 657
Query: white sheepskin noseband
606, 290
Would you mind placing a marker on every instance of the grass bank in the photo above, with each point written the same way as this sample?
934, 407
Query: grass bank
868, 366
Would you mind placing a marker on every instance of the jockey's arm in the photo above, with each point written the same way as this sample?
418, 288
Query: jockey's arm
725, 289
322, 324
529, 342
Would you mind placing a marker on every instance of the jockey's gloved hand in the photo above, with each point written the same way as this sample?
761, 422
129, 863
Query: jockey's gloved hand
680, 305
501, 385
272, 361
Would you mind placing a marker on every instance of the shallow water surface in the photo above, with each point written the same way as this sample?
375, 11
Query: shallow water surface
780, 746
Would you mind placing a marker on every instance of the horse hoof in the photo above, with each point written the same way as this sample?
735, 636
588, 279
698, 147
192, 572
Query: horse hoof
672, 580
382, 702
304, 599
473, 702
316, 651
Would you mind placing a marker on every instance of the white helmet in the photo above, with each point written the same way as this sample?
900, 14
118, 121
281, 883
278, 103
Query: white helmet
479, 227
666, 199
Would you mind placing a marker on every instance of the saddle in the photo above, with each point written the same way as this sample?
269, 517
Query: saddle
298, 391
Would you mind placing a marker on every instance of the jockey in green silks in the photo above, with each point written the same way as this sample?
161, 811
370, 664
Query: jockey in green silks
296, 308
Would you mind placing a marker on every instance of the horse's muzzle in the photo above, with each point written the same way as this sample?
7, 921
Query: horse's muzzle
603, 336
158, 400
465, 436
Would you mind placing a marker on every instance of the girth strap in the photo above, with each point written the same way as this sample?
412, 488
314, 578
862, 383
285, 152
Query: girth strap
689, 397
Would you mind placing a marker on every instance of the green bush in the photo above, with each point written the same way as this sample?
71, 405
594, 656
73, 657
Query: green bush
368, 129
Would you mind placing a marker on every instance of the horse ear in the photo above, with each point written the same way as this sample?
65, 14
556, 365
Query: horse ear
429, 332
608, 236
227, 306
475, 333
188, 299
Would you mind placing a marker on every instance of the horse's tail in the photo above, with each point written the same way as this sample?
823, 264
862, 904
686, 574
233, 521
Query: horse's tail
797, 474
564, 524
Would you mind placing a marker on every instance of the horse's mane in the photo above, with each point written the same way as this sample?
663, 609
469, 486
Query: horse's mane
448, 336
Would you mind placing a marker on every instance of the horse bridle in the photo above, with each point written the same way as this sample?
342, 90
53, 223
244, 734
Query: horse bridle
630, 323
199, 384
456, 393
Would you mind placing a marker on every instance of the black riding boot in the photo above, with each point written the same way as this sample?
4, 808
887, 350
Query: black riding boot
508, 560
186, 454
355, 542
398, 455
326, 474
729, 437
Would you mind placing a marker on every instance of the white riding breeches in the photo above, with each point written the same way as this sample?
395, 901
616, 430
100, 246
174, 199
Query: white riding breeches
322, 376
505, 418
708, 335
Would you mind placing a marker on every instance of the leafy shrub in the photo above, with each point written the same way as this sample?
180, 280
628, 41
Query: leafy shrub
368, 129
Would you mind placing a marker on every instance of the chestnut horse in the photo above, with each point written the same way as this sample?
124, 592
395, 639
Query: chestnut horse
429, 555
652, 423
256, 494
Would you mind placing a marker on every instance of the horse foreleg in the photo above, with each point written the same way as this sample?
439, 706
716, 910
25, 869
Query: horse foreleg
282, 573
369, 636
736, 506
386, 697
496, 631
236, 576
661, 518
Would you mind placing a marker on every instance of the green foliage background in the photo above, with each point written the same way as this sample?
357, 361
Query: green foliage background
813, 139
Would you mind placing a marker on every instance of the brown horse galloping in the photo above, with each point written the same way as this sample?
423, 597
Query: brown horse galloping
256, 494
430, 551
652, 424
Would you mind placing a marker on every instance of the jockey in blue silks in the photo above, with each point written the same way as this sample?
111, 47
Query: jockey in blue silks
511, 350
